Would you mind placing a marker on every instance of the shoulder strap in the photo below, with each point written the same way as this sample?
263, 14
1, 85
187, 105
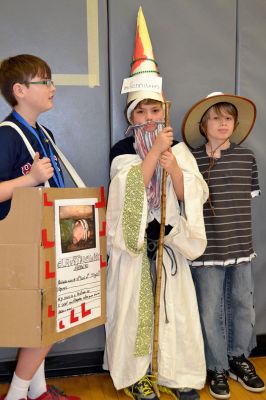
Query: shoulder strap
69, 167
21, 133
72, 172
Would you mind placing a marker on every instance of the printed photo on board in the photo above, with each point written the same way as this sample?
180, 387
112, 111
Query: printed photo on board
77, 227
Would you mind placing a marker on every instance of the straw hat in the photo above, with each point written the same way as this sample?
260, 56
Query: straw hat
144, 81
246, 118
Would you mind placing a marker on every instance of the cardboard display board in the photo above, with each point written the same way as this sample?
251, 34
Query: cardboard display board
52, 268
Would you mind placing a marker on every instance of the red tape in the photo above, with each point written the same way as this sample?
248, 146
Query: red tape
46, 243
101, 203
85, 312
102, 263
48, 273
50, 311
61, 325
46, 202
103, 231
72, 317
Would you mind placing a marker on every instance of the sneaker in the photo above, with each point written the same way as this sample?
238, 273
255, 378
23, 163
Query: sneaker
218, 385
243, 371
53, 393
186, 394
142, 390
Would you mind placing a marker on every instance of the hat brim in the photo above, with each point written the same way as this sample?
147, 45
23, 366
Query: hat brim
246, 119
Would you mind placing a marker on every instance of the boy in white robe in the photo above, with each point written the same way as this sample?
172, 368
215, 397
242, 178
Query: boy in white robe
133, 220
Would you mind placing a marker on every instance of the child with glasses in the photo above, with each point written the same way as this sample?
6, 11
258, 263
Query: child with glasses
26, 85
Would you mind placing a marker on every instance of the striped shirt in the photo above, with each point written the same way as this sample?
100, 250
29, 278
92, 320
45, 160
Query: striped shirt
233, 182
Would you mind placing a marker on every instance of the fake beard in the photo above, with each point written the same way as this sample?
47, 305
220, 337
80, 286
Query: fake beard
144, 140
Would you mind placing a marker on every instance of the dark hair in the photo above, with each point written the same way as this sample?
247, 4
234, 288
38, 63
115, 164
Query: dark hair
20, 69
218, 108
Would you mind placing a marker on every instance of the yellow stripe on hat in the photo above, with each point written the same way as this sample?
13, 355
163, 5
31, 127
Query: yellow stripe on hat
144, 34
143, 58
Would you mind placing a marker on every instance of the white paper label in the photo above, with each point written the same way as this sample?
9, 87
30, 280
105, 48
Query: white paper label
140, 82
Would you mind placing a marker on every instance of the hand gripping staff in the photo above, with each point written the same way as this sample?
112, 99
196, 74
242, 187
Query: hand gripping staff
159, 269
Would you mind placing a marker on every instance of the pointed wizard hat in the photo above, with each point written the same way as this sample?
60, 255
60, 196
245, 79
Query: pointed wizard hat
144, 82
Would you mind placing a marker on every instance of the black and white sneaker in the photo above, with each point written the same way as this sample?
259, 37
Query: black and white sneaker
187, 394
218, 385
243, 371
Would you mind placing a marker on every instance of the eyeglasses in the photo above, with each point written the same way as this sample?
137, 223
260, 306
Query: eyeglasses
47, 82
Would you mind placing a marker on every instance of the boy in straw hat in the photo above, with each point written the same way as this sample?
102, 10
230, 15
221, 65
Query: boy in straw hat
214, 127
133, 224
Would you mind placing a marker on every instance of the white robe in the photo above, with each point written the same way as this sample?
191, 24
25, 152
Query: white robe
181, 361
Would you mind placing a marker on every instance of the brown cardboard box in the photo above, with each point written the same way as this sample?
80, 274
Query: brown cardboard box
28, 269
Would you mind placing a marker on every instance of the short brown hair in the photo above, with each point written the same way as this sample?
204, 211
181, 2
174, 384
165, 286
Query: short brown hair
218, 108
144, 101
20, 69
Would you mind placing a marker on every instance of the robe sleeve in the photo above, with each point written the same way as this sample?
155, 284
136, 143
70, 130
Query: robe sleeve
188, 234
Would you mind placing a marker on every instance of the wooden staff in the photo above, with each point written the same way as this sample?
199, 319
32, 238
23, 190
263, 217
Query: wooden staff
159, 269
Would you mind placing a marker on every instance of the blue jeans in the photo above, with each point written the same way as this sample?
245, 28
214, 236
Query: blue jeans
226, 306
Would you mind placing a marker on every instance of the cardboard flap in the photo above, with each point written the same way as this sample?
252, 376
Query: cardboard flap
19, 266
22, 224
20, 312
